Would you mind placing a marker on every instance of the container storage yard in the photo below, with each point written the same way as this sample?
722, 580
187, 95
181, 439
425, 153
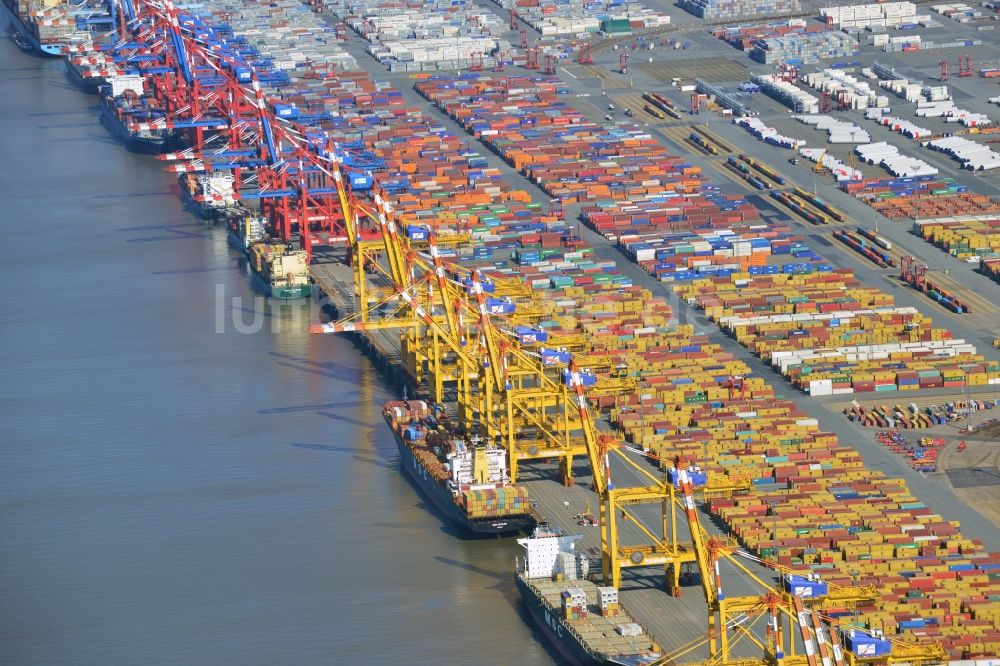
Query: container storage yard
660, 331
737, 10
807, 48
551, 18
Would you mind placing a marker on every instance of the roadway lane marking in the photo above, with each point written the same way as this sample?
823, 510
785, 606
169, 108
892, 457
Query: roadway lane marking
569, 73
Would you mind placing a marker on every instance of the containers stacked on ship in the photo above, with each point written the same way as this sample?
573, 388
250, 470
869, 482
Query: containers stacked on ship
88, 84
285, 272
86, 71
123, 105
44, 25
245, 228
211, 195
585, 622
466, 478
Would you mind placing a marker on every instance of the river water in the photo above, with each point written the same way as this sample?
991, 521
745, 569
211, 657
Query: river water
177, 484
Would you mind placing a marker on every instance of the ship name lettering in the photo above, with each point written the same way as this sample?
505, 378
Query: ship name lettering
554, 623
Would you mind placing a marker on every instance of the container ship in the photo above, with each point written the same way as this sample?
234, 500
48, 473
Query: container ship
212, 196
585, 622
466, 479
87, 72
82, 79
123, 103
245, 229
45, 26
285, 272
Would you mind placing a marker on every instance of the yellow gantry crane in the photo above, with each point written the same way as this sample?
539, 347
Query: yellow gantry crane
792, 614
460, 332
463, 333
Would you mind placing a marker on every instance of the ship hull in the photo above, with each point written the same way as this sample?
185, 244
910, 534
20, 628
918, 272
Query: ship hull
44, 50
91, 85
442, 499
289, 293
136, 144
237, 242
285, 293
201, 210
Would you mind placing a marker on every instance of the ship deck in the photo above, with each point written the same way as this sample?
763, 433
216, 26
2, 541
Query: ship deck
597, 632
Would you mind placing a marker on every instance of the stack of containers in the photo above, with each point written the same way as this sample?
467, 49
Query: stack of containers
568, 156
913, 418
786, 93
887, 14
991, 267
916, 43
689, 362
607, 601
384, 22
798, 49
834, 520
574, 604
682, 257
921, 198
285, 33
433, 53
743, 36
833, 517
963, 236
620, 220
495, 502
822, 328
960, 12
51, 22
910, 91
574, 17
730, 10
437, 35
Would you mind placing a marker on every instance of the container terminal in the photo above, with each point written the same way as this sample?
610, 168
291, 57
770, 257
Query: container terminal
548, 222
